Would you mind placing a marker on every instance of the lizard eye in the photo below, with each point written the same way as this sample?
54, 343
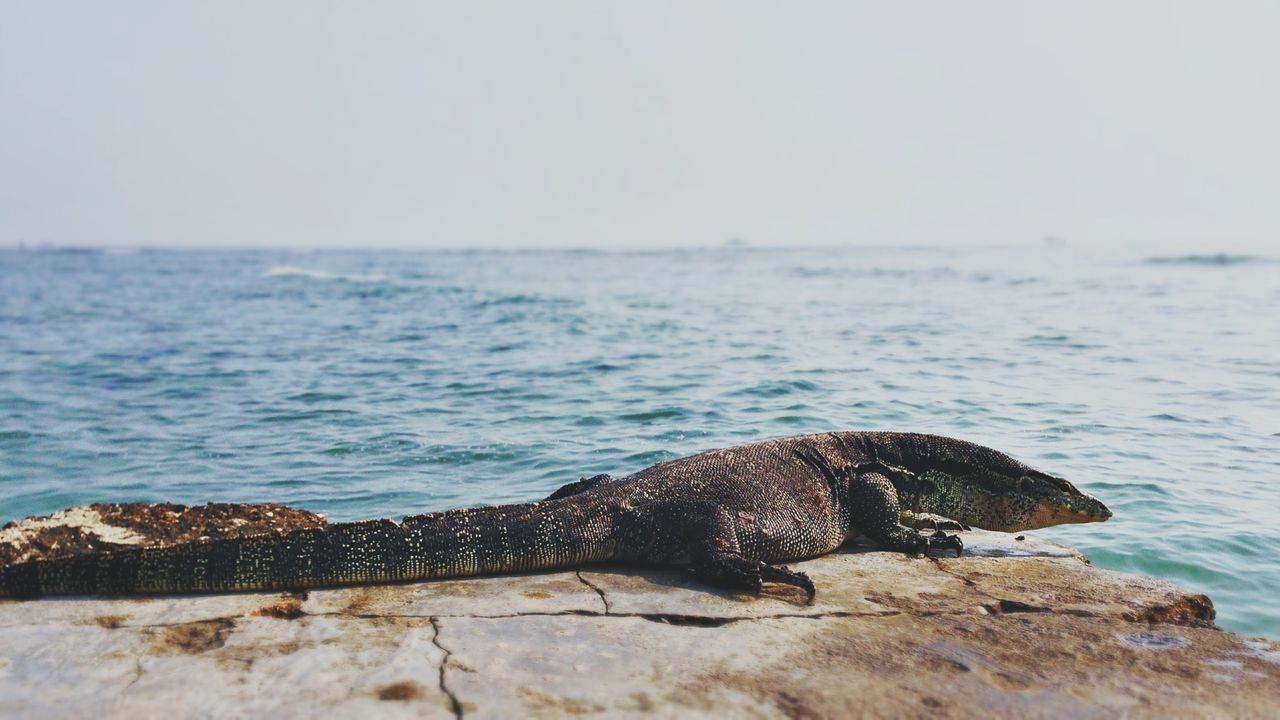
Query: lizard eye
1025, 482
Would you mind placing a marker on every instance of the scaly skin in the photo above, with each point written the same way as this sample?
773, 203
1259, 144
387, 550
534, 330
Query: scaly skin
727, 514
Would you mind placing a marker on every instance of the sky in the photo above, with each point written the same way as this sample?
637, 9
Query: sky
641, 124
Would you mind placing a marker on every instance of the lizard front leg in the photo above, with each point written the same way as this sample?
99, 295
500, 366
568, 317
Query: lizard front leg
876, 512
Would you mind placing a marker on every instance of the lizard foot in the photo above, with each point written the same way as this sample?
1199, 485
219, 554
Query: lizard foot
787, 576
731, 570
943, 541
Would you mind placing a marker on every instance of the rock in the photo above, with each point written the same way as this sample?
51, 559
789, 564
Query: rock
114, 525
1014, 628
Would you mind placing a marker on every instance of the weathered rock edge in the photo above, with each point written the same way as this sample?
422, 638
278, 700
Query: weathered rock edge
113, 526
1015, 628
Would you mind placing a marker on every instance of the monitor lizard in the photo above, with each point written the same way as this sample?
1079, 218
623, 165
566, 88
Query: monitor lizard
731, 516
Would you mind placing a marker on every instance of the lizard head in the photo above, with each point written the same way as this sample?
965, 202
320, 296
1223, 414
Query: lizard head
986, 488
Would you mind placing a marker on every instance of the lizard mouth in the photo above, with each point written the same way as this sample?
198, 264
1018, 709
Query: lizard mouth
1050, 513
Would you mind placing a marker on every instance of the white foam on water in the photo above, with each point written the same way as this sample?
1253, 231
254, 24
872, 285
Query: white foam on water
293, 271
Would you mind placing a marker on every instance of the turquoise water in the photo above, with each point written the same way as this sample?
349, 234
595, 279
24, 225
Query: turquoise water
366, 384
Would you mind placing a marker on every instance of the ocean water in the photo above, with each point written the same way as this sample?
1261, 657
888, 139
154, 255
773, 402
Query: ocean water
366, 384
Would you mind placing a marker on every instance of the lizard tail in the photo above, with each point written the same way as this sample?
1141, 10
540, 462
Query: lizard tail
456, 543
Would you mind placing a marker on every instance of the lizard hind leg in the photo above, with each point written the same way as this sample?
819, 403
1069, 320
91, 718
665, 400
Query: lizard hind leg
715, 558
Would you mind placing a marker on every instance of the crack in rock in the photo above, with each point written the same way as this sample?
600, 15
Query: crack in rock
137, 675
713, 621
454, 703
998, 606
595, 587
969, 583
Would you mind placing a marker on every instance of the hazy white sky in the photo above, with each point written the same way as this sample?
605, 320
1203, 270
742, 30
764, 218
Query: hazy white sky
419, 124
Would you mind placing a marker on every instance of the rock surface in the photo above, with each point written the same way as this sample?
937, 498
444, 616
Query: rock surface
1015, 628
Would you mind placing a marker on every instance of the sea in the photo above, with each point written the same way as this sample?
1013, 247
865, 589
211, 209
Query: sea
366, 384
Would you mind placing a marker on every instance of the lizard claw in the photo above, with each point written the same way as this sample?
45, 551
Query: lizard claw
942, 540
787, 576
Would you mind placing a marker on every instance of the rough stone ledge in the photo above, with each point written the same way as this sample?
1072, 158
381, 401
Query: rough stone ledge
1014, 628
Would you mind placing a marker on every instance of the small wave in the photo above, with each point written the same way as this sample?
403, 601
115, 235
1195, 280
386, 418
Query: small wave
387, 443
666, 413
649, 457
875, 272
307, 415
291, 271
812, 272
1061, 341
1214, 260
802, 421
506, 347
66, 250
15, 435
777, 388
462, 455
681, 434
1171, 417
591, 366
316, 397
517, 299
